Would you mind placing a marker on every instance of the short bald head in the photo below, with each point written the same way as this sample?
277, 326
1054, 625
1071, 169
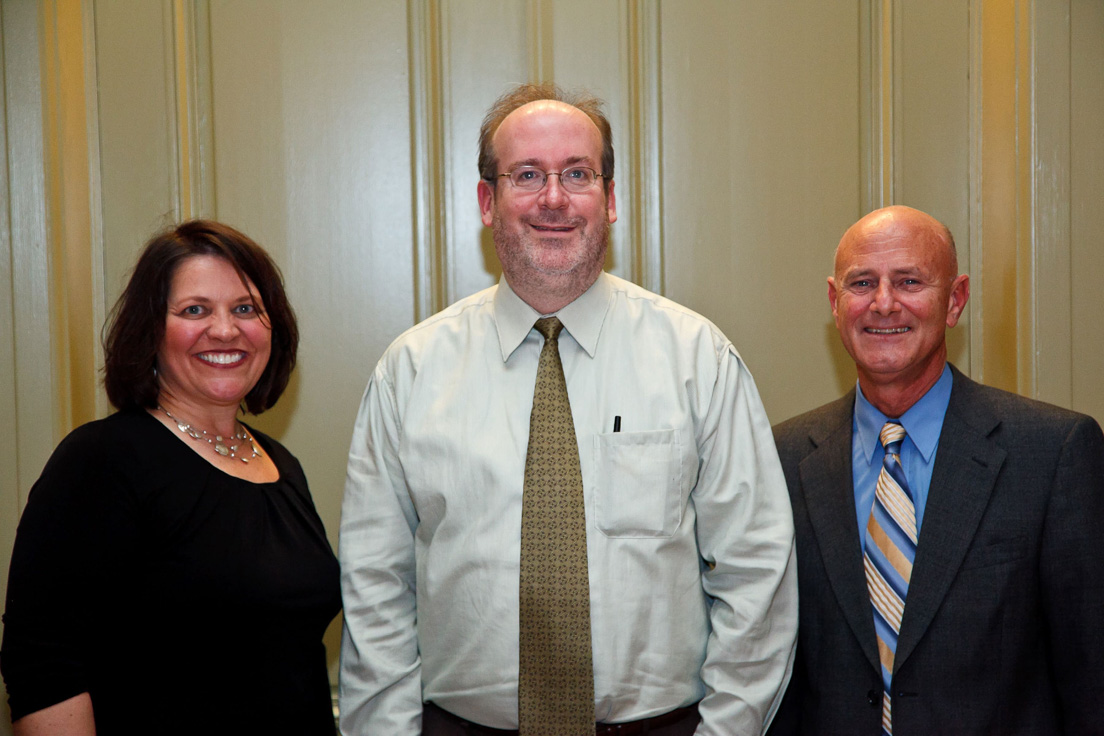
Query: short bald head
904, 224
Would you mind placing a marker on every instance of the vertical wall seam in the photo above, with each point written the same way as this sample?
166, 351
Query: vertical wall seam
645, 136
894, 34
192, 109
1049, 243
55, 254
540, 23
427, 105
1026, 201
202, 119
976, 204
880, 65
95, 197
34, 365
9, 398
183, 95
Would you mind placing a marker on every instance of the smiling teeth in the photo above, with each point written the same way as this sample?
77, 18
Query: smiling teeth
894, 331
221, 358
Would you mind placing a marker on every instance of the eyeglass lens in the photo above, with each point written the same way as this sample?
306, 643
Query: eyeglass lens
574, 179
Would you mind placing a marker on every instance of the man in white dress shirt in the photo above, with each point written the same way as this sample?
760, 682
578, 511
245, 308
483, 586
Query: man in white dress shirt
689, 535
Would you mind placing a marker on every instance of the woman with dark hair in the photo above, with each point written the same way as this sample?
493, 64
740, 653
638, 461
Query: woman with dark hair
170, 573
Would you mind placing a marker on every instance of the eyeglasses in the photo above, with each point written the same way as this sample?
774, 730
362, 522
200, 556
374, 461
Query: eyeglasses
576, 179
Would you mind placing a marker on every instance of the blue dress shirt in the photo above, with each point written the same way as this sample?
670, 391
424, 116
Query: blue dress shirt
922, 422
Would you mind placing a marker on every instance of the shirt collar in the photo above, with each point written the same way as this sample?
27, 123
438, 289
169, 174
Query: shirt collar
582, 318
922, 422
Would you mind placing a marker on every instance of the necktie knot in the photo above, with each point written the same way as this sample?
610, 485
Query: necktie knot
891, 436
550, 327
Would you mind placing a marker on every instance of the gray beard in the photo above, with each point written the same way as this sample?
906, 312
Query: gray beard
565, 286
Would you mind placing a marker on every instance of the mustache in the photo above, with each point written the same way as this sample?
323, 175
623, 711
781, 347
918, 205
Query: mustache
554, 220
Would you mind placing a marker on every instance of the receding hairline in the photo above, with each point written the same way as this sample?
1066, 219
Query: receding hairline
523, 94
530, 108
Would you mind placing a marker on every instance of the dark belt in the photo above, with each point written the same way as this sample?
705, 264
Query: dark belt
643, 726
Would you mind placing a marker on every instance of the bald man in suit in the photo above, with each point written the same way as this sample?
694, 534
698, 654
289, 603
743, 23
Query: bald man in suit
979, 532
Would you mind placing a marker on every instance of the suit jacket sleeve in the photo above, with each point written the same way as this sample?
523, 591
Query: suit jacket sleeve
1072, 576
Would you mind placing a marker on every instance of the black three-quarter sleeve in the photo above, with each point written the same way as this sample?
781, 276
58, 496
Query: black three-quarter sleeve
72, 547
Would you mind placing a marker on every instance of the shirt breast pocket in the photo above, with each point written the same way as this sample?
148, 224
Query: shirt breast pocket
639, 483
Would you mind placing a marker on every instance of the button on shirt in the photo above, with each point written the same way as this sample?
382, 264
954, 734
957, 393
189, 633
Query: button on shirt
923, 422
689, 529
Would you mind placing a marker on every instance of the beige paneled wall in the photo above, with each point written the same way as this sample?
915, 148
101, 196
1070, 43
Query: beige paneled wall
759, 183
138, 137
313, 159
932, 126
341, 134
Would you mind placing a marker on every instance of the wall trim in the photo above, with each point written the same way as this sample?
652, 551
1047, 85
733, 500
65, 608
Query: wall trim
540, 21
1047, 347
192, 104
976, 207
879, 102
428, 85
643, 70
36, 417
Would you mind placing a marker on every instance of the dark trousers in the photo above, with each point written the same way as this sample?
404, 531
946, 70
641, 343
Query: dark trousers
439, 722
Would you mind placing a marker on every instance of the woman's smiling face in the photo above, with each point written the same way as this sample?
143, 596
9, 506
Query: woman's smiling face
217, 339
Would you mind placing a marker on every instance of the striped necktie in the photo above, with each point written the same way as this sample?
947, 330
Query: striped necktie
555, 672
890, 550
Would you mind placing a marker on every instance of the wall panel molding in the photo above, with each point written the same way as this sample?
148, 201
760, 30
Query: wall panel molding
1000, 215
540, 24
9, 435
978, 49
10, 486
35, 416
880, 67
643, 85
70, 153
189, 65
1046, 254
428, 90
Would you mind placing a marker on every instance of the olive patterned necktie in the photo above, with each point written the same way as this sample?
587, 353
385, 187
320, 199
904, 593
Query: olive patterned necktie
890, 550
555, 671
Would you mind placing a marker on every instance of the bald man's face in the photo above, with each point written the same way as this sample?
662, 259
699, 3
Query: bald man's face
894, 294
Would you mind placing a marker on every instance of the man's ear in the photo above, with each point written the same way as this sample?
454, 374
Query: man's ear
486, 202
956, 302
611, 203
832, 295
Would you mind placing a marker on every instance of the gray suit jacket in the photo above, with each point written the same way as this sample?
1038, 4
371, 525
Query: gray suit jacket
1003, 631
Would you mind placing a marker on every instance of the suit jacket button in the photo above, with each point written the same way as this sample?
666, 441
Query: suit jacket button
874, 698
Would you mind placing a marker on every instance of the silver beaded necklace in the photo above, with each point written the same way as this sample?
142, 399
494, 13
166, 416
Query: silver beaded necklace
226, 447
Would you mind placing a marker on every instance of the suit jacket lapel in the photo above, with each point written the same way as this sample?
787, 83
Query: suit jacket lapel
966, 467
830, 500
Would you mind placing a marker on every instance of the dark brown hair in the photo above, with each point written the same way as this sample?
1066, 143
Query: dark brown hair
523, 94
137, 325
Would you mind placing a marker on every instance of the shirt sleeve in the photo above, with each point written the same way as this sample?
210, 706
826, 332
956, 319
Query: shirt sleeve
746, 537
71, 549
380, 688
